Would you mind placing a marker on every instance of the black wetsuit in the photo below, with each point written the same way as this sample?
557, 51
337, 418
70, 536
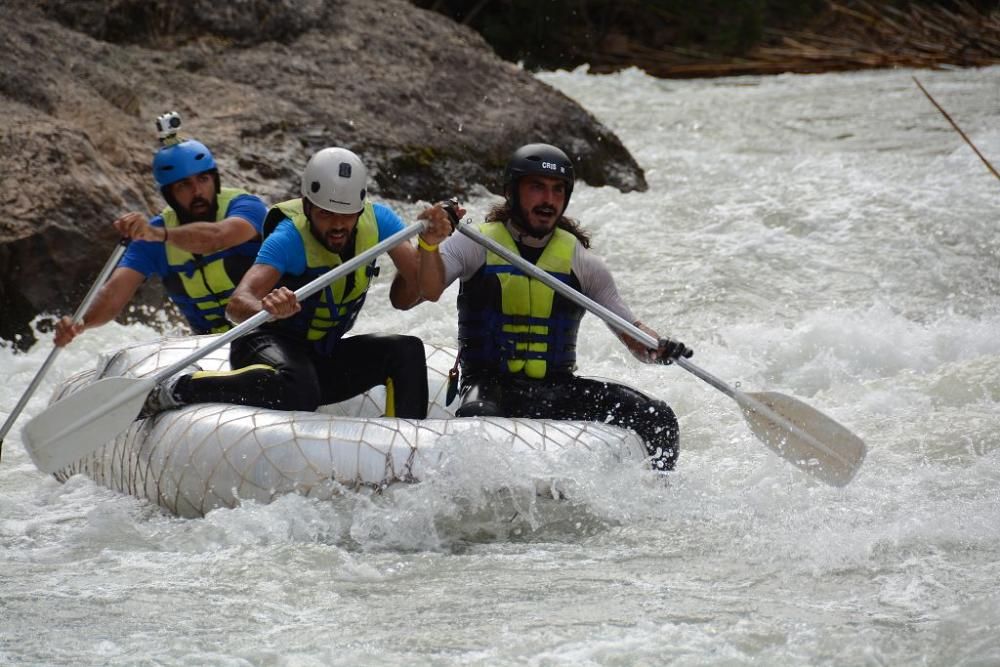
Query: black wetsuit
576, 398
293, 376
488, 389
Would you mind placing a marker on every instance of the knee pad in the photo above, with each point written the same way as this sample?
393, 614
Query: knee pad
407, 349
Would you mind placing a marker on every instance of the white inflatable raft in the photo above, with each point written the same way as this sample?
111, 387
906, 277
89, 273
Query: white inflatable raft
202, 457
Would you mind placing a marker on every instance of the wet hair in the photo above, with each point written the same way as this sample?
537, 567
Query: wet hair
503, 213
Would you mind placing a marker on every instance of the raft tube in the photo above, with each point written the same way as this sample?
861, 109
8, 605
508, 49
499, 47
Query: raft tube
206, 456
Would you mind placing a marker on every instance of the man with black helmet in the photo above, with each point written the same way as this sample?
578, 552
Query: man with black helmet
517, 336
200, 245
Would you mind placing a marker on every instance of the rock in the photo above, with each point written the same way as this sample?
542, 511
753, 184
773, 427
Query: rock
424, 101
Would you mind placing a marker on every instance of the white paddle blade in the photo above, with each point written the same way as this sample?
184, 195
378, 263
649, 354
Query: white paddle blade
804, 436
80, 423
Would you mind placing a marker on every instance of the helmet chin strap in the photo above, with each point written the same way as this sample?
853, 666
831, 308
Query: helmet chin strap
516, 217
517, 222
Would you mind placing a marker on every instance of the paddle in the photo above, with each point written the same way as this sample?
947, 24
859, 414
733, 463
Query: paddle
957, 128
793, 430
102, 277
83, 421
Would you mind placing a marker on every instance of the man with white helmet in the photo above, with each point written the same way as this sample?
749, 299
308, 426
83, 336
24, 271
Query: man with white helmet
200, 245
301, 359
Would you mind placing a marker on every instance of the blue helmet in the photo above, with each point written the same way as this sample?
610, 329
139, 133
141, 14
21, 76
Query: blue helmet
177, 162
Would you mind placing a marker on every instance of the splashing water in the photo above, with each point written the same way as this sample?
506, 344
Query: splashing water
826, 236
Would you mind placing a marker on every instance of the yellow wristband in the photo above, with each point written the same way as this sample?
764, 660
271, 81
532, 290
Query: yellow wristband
425, 245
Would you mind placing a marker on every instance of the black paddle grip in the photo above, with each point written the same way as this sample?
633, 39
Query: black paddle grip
673, 349
450, 206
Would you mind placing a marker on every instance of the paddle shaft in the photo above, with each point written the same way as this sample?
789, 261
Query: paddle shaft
957, 128
626, 327
302, 293
614, 320
102, 277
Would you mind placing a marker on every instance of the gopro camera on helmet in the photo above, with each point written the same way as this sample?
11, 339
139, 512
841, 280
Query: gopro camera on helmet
167, 126
179, 157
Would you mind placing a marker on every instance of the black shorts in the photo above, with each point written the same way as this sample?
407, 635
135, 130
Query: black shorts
273, 370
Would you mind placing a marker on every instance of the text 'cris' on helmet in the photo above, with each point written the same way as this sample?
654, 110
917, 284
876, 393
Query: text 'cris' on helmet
539, 160
335, 179
178, 161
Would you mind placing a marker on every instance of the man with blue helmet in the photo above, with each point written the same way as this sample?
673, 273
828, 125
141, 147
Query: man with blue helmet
200, 245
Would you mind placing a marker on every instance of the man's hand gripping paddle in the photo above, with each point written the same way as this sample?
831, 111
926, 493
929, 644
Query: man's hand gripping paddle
793, 430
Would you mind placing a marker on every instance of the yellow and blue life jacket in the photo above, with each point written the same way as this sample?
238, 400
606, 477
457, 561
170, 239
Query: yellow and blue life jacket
201, 285
509, 322
330, 313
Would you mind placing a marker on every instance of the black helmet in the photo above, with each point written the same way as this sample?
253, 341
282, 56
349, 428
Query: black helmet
538, 160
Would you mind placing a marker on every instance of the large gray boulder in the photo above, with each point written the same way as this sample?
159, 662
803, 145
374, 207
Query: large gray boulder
264, 83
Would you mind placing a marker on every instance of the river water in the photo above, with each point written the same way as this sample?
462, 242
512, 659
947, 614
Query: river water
826, 236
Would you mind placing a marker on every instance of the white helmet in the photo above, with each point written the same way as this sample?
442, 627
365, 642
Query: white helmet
334, 179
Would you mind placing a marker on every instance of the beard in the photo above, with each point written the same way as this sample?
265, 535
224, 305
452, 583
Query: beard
540, 229
200, 210
338, 246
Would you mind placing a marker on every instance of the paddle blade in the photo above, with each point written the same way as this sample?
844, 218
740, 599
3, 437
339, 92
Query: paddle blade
804, 436
80, 423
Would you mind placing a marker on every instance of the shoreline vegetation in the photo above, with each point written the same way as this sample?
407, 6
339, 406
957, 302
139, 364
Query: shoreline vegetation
671, 39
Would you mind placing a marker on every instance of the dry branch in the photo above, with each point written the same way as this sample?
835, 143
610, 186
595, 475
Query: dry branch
853, 34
